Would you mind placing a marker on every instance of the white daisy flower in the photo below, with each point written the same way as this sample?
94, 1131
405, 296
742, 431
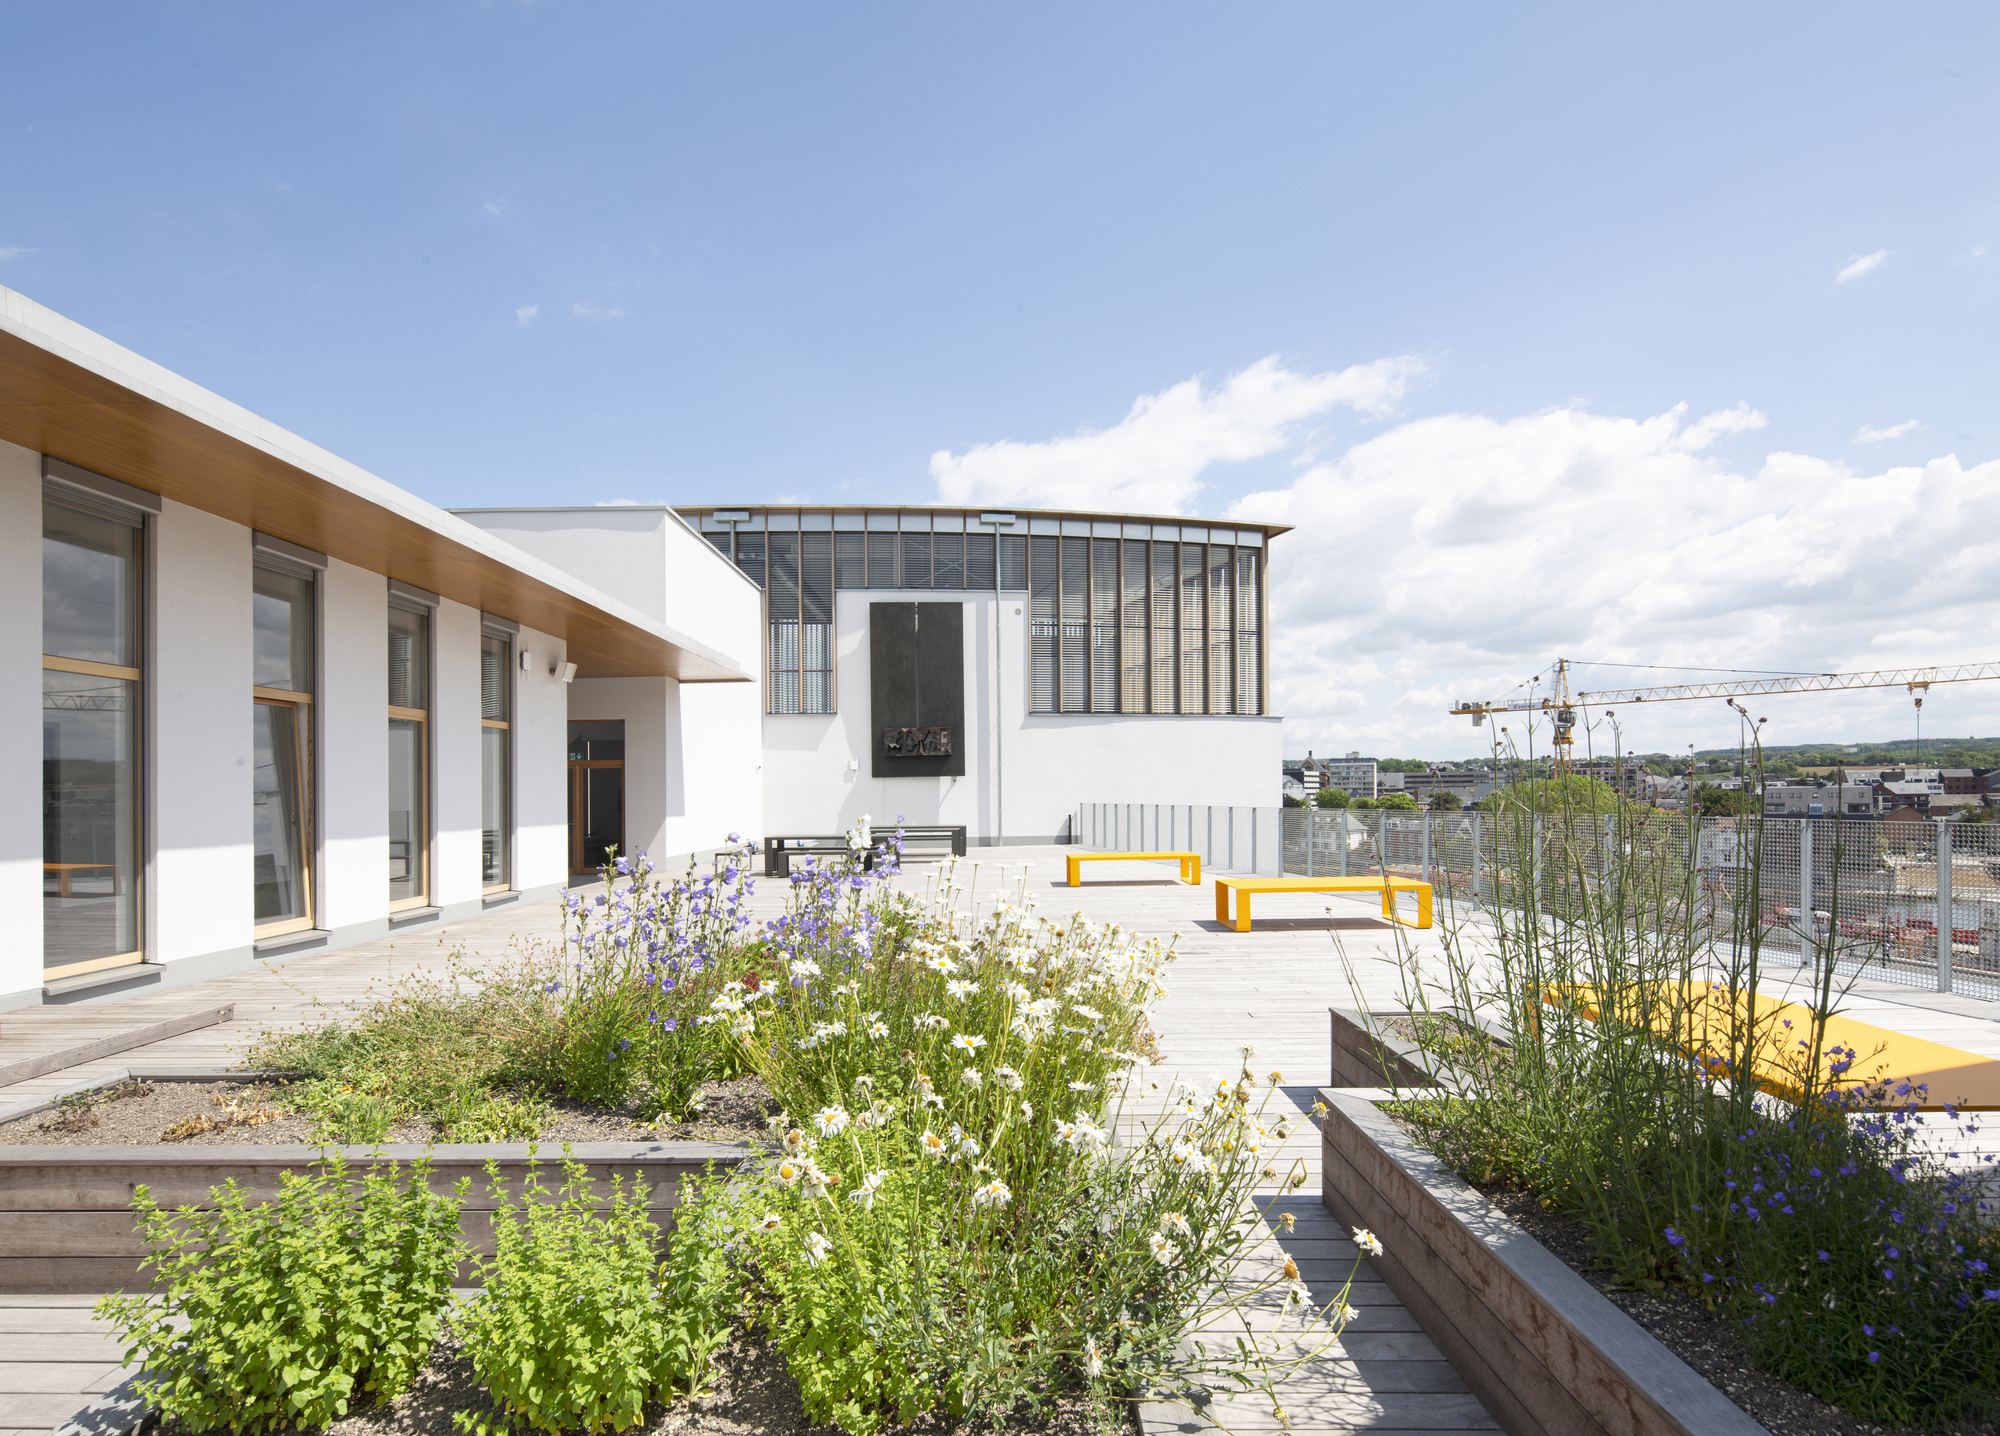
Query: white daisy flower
992, 1194
932, 1145
1009, 1078
877, 1029
787, 1174
831, 1121
1093, 1358
958, 989
771, 1222
1369, 1243
869, 1185
817, 1246
1164, 1251
967, 1041
971, 1077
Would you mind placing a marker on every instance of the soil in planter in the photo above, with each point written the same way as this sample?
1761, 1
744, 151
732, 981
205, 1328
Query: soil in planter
1709, 1343
255, 1114
750, 1394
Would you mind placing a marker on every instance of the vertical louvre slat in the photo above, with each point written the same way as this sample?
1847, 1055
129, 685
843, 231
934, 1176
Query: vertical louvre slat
916, 560
1013, 563
1075, 625
882, 561
1194, 636
1249, 635
816, 578
850, 560
1221, 585
1104, 625
948, 561
1044, 618
1132, 630
979, 561
1164, 581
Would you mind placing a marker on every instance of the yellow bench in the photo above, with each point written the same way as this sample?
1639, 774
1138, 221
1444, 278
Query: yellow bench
1388, 887
1950, 1075
1190, 864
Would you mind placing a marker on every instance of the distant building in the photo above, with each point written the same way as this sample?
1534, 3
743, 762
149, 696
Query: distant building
1471, 787
1627, 779
1354, 775
1802, 800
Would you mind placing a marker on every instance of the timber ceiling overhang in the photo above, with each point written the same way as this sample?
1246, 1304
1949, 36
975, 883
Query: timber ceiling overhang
73, 394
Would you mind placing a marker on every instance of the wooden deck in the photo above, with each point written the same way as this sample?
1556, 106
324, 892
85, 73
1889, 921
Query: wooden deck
1270, 987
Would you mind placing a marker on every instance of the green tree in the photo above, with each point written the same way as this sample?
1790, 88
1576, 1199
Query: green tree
1399, 802
1446, 802
1728, 802
1332, 798
1574, 794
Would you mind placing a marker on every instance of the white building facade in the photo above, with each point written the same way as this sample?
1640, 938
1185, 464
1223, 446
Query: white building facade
1072, 656
284, 707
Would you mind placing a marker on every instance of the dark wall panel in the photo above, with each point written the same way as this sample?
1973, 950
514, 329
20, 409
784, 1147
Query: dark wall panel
916, 679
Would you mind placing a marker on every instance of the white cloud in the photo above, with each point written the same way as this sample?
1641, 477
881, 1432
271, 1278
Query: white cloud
583, 309
16, 252
1866, 435
1152, 460
1454, 556
526, 313
1859, 265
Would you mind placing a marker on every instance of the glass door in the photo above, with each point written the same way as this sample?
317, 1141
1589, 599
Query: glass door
596, 794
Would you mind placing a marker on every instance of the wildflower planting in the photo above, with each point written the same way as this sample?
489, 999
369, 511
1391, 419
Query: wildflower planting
959, 1218
1601, 1041
613, 1016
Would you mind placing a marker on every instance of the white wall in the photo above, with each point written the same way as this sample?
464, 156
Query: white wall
692, 758
1049, 762
354, 747
541, 770
458, 814
21, 726
199, 738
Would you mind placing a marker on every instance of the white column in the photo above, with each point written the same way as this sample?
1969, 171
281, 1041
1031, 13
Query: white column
21, 726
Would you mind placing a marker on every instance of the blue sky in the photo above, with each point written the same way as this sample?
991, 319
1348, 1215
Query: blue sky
557, 253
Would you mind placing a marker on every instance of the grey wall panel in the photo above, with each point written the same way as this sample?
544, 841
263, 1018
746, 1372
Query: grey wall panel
916, 679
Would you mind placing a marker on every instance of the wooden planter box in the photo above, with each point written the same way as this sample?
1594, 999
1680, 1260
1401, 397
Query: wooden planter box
1542, 1348
66, 1221
1365, 1056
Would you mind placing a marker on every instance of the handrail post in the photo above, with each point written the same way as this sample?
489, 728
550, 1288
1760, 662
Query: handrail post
1808, 924
1944, 904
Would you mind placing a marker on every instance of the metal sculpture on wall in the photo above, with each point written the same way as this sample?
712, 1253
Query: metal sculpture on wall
916, 742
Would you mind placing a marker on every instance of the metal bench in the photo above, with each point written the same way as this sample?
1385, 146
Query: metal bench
1387, 886
779, 852
925, 833
1190, 864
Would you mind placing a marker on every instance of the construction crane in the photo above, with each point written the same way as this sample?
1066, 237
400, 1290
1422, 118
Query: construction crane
1561, 705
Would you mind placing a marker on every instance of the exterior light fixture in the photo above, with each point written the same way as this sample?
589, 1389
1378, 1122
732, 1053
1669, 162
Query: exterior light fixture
563, 672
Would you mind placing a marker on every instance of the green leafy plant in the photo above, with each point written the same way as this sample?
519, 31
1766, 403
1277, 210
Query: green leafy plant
580, 1324
356, 1119
290, 1313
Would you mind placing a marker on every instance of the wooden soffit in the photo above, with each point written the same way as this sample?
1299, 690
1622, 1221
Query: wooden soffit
70, 393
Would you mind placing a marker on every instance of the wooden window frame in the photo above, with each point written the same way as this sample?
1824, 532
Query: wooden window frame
504, 725
302, 714
422, 718
136, 675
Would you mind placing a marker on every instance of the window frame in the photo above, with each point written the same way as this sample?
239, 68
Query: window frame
304, 706
491, 630
78, 492
402, 602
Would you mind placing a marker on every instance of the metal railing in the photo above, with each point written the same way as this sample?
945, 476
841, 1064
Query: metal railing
1234, 839
1871, 896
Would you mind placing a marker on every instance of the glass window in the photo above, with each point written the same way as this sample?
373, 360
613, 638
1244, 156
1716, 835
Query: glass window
281, 636
1075, 625
1042, 617
496, 690
90, 587
281, 629
279, 883
90, 741
90, 819
409, 752
1104, 625
1132, 629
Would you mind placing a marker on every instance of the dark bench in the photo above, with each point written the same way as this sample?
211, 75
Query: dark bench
779, 852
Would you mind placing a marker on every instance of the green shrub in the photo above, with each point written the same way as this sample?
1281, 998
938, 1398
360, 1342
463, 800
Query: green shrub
580, 1324
355, 1119
293, 1313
